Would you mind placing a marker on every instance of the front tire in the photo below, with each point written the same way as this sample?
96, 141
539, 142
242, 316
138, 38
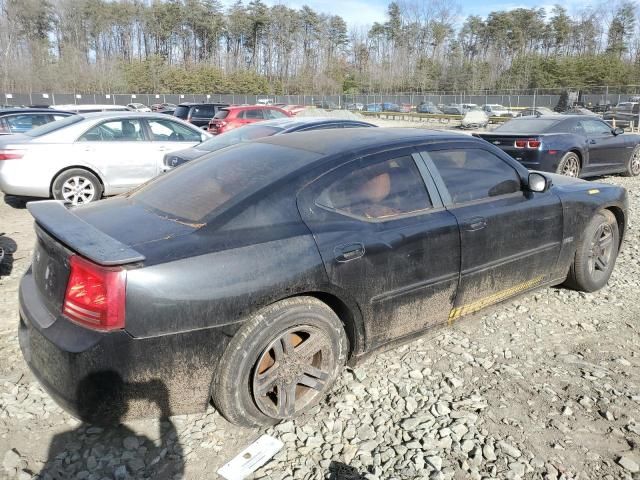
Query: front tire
633, 163
569, 165
281, 363
596, 254
77, 186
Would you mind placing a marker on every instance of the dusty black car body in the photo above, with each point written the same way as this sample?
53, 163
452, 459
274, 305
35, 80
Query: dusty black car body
192, 283
600, 150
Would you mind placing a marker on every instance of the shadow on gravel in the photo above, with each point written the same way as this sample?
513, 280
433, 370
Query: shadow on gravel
340, 471
105, 447
19, 202
7, 249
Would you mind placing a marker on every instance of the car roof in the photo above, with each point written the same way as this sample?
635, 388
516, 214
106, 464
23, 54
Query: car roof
196, 104
331, 142
4, 111
295, 122
249, 107
558, 117
123, 114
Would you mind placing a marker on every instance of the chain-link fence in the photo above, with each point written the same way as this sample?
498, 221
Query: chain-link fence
603, 95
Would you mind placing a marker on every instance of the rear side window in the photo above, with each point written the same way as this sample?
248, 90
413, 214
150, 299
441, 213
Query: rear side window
474, 174
203, 111
182, 111
222, 114
252, 114
382, 190
53, 126
128, 130
273, 114
23, 123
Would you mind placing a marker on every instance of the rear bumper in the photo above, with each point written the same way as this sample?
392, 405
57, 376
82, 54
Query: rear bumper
107, 377
537, 160
16, 180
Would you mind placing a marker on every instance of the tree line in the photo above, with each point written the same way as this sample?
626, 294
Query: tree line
199, 46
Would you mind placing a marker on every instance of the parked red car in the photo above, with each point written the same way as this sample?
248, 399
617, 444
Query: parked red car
233, 117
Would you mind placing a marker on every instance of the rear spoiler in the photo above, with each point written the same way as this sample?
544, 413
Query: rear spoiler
81, 236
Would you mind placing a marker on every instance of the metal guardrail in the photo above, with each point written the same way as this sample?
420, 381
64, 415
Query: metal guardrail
411, 116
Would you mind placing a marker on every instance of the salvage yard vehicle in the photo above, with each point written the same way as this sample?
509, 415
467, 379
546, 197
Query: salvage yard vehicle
82, 157
573, 145
253, 276
199, 114
253, 132
229, 118
625, 114
496, 110
474, 119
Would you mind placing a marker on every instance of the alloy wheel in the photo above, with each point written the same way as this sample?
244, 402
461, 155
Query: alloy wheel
635, 162
601, 252
293, 371
78, 190
570, 166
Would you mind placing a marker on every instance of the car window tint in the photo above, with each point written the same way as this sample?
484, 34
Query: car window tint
22, 123
253, 114
204, 111
53, 126
274, 114
596, 127
574, 127
4, 126
182, 111
526, 126
168, 131
125, 130
474, 174
221, 114
382, 190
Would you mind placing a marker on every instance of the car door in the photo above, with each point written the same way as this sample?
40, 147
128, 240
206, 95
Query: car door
510, 238
167, 136
606, 150
120, 150
386, 242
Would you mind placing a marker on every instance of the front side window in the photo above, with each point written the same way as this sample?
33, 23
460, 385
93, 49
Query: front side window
253, 114
596, 127
474, 174
125, 130
382, 190
168, 131
273, 114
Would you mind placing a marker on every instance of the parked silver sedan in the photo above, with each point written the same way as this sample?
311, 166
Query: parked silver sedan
82, 157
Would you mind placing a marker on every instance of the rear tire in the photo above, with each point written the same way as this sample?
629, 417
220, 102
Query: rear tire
596, 254
633, 163
77, 186
281, 363
569, 165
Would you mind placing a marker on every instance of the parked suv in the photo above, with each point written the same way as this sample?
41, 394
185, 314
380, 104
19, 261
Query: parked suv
198, 113
229, 118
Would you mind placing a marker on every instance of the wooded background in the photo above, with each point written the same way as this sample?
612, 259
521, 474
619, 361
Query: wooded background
197, 46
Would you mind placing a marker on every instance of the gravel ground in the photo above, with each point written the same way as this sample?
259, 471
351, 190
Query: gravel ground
546, 386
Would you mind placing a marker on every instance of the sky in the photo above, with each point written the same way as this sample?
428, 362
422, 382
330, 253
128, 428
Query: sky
366, 12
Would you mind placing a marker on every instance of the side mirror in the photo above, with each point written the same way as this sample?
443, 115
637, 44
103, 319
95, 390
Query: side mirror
617, 131
538, 182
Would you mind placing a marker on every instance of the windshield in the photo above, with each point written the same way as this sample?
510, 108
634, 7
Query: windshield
53, 126
245, 134
526, 126
219, 180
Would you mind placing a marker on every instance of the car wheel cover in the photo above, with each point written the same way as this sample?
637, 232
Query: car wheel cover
601, 251
635, 162
570, 166
78, 190
293, 371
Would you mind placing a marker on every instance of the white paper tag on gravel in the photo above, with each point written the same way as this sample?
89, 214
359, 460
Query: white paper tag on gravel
251, 458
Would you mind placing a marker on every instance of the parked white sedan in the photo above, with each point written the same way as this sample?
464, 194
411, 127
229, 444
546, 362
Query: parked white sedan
82, 157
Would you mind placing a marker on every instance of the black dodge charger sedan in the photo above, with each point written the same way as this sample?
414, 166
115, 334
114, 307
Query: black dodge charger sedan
572, 145
250, 277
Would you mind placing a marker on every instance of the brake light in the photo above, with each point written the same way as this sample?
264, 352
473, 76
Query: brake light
532, 143
95, 296
7, 154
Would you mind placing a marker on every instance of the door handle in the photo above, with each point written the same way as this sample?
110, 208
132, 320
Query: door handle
352, 251
475, 223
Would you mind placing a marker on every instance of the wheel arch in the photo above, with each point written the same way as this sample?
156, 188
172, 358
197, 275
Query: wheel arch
620, 220
82, 167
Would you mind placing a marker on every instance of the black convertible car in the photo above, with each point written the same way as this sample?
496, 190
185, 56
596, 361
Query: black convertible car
251, 276
573, 145
257, 130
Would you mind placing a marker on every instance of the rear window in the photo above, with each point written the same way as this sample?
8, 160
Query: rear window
218, 180
526, 126
203, 111
53, 126
182, 111
221, 114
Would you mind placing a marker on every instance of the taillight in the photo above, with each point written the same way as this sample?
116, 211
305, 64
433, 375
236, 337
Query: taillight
532, 143
7, 154
95, 296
